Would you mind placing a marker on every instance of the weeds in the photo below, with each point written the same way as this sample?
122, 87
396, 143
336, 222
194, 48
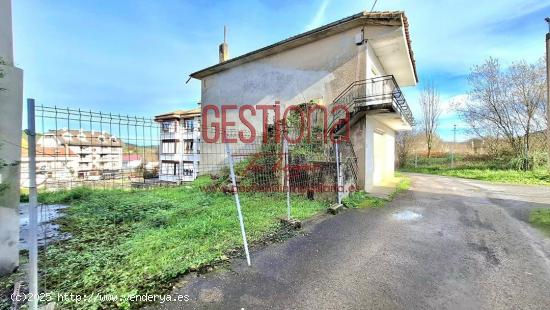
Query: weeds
136, 242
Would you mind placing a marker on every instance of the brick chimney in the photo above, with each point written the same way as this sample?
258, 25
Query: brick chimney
224, 48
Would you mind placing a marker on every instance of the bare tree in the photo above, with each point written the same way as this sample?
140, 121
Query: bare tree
507, 104
430, 104
404, 146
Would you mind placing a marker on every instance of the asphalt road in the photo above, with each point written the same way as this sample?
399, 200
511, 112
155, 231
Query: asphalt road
446, 243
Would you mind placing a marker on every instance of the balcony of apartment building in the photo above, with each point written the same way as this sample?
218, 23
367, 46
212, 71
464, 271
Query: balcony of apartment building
84, 150
85, 158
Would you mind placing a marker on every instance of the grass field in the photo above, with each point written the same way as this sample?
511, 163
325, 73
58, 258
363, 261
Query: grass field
126, 243
136, 242
538, 177
540, 218
479, 168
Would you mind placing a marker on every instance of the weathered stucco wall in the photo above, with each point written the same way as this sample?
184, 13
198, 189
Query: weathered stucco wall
379, 152
319, 70
11, 97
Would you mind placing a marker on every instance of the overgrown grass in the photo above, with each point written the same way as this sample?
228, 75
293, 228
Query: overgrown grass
537, 177
481, 167
136, 242
540, 218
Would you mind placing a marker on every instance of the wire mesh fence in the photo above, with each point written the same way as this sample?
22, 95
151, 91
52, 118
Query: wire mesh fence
80, 152
92, 149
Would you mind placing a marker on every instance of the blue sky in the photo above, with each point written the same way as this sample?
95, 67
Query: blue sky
133, 57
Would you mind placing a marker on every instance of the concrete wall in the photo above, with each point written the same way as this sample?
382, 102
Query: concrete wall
11, 99
319, 70
6, 40
377, 151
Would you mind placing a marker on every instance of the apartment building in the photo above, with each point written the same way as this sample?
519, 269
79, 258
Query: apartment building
52, 163
98, 154
179, 145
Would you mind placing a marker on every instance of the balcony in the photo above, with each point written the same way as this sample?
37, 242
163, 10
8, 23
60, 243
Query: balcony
169, 136
181, 134
380, 96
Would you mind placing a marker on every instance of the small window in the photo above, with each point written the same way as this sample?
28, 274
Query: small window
168, 147
167, 127
101, 139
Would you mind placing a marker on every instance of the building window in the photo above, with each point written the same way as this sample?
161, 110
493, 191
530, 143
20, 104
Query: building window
169, 168
168, 147
168, 127
188, 147
188, 124
187, 169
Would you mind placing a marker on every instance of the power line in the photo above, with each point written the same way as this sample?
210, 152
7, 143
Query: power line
372, 8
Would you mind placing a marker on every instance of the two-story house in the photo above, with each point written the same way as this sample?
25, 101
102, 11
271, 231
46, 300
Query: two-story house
179, 145
359, 62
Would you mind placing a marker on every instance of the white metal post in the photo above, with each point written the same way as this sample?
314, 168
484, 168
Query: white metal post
338, 181
237, 201
33, 203
453, 148
287, 178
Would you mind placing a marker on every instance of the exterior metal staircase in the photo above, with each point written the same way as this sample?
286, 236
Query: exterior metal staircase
376, 95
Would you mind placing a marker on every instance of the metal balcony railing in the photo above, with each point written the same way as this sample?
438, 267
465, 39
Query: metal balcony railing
376, 93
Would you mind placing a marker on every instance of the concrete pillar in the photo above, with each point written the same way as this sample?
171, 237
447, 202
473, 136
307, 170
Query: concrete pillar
369, 153
11, 103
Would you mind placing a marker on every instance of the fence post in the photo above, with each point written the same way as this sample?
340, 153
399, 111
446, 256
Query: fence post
33, 203
287, 178
338, 181
237, 201
453, 148
415, 160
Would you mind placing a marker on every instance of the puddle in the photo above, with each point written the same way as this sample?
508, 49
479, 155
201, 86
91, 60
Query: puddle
47, 231
406, 215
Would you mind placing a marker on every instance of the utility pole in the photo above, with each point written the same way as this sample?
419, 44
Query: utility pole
547, 19
453, 147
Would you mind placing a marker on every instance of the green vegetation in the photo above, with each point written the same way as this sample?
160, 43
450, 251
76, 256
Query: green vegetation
364, 200
539, 177
499, 170
137, 242
540, 218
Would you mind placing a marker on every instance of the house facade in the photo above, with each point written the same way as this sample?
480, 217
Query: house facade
179, 148
360, 61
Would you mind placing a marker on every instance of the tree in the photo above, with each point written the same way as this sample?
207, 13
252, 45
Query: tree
430, 105
405, 142
506, 104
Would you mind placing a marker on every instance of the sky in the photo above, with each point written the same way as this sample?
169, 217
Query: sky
134, 57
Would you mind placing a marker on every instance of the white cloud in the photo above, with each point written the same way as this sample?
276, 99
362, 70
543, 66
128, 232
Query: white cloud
319, 17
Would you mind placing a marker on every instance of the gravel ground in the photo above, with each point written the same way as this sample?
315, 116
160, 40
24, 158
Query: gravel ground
447, 243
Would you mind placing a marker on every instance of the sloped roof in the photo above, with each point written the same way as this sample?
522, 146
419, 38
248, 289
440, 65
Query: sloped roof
178, 114
393, 18
90, 138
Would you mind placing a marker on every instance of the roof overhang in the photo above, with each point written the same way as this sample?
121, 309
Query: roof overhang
179, 114
395, 51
